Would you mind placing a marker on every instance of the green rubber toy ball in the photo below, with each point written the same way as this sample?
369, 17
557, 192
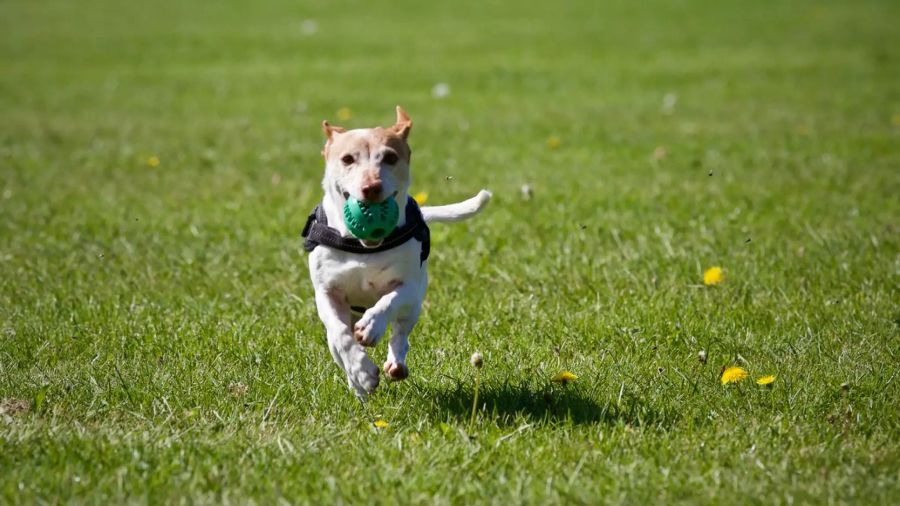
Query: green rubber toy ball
371, 222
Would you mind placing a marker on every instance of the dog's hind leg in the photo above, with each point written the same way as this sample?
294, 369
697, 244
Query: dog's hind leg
362, 374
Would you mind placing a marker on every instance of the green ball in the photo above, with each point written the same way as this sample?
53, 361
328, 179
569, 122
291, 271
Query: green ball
371, 222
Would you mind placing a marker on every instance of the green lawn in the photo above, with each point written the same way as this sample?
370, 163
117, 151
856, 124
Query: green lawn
159, 325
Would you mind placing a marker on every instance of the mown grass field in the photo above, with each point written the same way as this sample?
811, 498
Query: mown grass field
159, 339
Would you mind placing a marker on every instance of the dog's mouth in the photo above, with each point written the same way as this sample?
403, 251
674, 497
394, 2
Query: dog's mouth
366, 244
344, 193
375, 244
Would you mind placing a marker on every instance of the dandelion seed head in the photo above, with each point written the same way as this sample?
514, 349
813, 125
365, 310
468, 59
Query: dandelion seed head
309, 27
526, 191
440, 90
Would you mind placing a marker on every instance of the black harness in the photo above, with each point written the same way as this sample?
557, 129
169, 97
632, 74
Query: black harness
317, 232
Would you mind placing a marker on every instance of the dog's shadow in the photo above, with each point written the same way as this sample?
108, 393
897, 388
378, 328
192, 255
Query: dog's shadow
512, 404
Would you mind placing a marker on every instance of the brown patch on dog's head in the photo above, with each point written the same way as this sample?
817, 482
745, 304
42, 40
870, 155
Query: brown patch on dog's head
394, 136
392, 139
369, 164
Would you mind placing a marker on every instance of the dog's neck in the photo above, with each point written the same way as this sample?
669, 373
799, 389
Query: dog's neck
333, 205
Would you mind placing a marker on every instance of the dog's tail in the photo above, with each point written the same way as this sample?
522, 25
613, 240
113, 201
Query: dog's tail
458, 211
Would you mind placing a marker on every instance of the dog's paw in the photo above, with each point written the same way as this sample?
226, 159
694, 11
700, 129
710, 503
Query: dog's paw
369, 329
396, 371
363, 378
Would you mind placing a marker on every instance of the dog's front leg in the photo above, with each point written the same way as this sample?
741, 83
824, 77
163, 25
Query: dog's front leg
401, 306
362, 374
371, 327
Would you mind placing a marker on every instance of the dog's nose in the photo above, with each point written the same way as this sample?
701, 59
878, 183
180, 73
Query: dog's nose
371, 191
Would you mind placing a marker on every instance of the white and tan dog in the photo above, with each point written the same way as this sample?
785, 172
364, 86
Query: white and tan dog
387, 286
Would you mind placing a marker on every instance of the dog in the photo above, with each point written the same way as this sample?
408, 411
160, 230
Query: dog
362, 286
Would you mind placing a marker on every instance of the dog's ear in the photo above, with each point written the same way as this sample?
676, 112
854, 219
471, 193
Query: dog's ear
403, 124
330, 129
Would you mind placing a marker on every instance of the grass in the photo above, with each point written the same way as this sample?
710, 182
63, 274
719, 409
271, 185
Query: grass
158, 321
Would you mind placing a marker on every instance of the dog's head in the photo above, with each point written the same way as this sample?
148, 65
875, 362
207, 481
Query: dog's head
369, 164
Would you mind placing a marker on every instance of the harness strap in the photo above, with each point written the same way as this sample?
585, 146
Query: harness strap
317, 232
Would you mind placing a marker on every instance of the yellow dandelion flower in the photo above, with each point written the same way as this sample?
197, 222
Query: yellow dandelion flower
153, 161
421, 198
733, 375
712, 276
895, 119
380, 424
554, 142
563, 377
766, 380
344, 114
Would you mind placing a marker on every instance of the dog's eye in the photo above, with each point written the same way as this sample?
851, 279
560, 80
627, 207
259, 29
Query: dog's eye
347, 159
389, 158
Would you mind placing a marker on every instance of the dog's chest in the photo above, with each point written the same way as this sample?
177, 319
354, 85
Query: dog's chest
364, 279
